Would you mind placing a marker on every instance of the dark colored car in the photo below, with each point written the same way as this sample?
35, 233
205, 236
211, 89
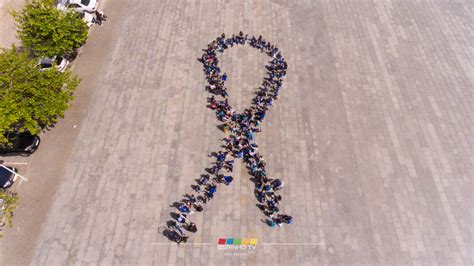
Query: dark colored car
23, 143
7, 177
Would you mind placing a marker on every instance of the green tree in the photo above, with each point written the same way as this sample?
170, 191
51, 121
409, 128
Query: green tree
49, 31
30, 99
8, 203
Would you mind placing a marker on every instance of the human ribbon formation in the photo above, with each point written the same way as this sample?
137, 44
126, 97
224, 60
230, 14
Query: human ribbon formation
241, 142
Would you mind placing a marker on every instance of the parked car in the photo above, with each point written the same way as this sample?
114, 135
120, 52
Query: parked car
78, 5
88, 18
60, 62
22, 143
7, 176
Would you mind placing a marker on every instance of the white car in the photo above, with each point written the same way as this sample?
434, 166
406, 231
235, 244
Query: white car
88, 18
58, 61
78, 5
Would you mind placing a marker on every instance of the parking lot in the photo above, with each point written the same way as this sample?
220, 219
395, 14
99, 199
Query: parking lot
371, 135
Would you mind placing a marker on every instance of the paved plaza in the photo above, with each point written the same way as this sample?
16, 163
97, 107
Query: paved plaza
372, 135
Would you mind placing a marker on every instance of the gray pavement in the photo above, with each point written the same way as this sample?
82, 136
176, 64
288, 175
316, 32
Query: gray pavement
372, 135
7, 24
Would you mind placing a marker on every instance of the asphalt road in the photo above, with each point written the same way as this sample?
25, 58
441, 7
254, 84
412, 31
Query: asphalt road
372, 135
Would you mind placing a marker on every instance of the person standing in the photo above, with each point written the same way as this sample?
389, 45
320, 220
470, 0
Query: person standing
100, 17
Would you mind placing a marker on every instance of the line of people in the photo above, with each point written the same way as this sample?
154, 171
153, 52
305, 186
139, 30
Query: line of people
243, 126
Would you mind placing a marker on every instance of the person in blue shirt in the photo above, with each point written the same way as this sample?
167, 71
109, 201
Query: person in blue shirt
182, 218
184, 208
228, 179
250, 135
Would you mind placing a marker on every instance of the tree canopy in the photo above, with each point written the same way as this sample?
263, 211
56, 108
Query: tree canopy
30, 99
49, 31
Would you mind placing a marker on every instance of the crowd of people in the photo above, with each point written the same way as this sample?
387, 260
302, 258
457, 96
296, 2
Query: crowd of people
241, 142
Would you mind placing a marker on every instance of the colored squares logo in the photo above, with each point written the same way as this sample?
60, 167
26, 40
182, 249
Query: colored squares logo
237, 241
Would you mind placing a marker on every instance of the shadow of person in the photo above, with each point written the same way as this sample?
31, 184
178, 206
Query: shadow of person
209, 170
171, 223
171, 235
223, 127
268, 222
253, 179
174, 215
175, 205
187, 196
